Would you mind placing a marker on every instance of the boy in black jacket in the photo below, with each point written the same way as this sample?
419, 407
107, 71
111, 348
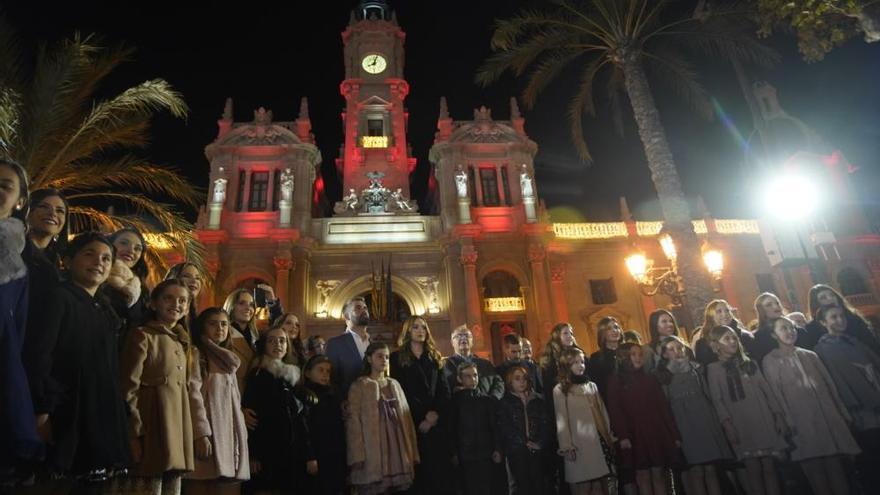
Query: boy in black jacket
474, 432
526, 431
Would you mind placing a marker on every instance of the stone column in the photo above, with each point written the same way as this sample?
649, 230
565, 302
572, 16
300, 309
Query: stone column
283, 265
537, 256
468, 260
557, 280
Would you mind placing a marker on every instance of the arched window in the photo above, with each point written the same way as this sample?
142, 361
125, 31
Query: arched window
851, 282
499, 283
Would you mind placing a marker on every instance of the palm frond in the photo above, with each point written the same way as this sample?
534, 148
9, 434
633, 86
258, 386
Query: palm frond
138, 102
581, 104
546, 72
671, 69
616, 98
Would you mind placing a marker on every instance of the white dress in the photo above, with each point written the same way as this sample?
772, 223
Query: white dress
576, 428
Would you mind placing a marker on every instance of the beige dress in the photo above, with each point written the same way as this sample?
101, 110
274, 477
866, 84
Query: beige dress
576, 428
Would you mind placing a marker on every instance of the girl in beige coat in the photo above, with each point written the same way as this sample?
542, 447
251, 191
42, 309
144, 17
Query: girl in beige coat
381, 437
168, 425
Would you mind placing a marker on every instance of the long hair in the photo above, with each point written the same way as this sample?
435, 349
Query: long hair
175, 272
198, 330
182, 334
140, 267
366, 367
565, 361
740, 359
848, 309
709, 316
262, 342
229, 307
602, 326
404, 339
297, 351
306, 384
764, 322
654, 322
508, 376
662, 370
23, 187
553, 348
58, 244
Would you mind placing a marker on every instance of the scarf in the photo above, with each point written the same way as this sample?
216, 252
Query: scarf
224, 359
677, 366
279, 369
734, 380
124, 280
579, 379
12, 240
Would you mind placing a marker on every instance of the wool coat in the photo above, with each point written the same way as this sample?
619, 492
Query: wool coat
216, 380
245, 351
164, 400
72, 364
855, 370
813, 409
490, 383
17, 427
577, 428
363, 428
327, 433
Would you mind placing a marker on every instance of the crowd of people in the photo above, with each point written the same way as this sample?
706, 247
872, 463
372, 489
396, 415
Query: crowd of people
110, 387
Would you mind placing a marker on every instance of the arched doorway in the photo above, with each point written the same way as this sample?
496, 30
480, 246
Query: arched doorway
504, 308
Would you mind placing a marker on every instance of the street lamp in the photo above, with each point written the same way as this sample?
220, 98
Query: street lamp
665, 279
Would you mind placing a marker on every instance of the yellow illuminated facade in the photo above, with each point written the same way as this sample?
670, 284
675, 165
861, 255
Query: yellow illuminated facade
374, 141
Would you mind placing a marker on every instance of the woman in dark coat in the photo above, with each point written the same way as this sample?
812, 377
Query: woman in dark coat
603, 363
279, 445
417, 365
824, 296
126, 288
47, 240
719, 313
73, 368
326, 427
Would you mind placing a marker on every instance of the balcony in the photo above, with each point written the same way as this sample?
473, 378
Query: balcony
374, 141
504, 304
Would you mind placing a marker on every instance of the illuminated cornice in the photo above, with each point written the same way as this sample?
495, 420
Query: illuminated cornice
611, 230
504, 304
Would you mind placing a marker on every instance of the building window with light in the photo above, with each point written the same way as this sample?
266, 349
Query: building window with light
489, 184
375, 127
239, 195
276, 189
259, 191
505, 185
603, 291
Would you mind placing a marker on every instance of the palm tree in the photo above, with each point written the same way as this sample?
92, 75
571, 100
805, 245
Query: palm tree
626, 37
52, 123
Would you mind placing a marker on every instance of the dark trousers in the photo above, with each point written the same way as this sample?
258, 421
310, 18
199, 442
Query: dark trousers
525, 473
476, 476
867, 462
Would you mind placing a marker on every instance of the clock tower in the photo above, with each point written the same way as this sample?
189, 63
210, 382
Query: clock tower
375, 118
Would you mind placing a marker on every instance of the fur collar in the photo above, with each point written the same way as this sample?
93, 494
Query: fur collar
124, 280
279, 369
12, 240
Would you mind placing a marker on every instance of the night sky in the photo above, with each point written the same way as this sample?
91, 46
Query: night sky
263, 54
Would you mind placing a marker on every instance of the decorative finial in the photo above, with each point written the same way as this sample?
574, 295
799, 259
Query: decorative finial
482, 114
262, 116
514, 109
444, 110
625, 214
227, 109
304, 108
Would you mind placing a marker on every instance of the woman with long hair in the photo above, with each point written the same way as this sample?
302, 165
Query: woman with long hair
126, 286
381, 439
290, 323
824, 296
227, 465
561, 338
603, 363
47, 221
418, 366
749, 412
769, 308
661, 323
719, 313
243, 334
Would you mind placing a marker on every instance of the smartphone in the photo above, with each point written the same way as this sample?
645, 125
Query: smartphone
259, 297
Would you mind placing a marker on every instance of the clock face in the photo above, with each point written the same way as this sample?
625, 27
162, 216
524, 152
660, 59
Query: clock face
374, 63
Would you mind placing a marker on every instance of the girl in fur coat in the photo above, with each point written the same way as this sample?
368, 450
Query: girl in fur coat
126, 286
223, 471
279, 445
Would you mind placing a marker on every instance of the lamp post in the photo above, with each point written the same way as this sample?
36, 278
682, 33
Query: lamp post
665, 279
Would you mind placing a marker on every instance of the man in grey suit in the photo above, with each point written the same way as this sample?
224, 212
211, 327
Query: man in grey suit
346, 351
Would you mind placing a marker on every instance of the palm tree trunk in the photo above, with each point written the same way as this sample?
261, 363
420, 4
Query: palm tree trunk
676, 212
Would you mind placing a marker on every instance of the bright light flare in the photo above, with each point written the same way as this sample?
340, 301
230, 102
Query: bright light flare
637, 264
668, 246
714, 260
791, 196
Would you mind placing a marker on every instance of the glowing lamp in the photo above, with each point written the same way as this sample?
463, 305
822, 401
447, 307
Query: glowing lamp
668, 247
637, 264
714, 260
791, 196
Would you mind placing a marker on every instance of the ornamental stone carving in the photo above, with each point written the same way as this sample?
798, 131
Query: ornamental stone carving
325, 288
468, 256
282, 263
557, 272
287, 184
537, 253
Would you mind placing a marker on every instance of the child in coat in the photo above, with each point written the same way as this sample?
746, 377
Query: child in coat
382, 450
474, 432
168, 423
748, 410
326, 427
281, 453
813, 410
525, 433
223, 471
581, 426
642, 419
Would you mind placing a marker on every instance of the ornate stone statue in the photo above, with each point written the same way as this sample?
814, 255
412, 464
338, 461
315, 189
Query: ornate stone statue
287, 184
461, 180
351, 200
219, 190
399, 202
525, 183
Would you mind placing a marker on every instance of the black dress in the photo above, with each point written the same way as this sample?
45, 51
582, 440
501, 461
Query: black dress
327, 434
602, 364
281, 441
71, 357
427, 390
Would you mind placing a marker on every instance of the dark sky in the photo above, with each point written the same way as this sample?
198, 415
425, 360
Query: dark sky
263, 54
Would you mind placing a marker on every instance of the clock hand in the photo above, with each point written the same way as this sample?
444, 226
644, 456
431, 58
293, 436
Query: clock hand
375, 59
